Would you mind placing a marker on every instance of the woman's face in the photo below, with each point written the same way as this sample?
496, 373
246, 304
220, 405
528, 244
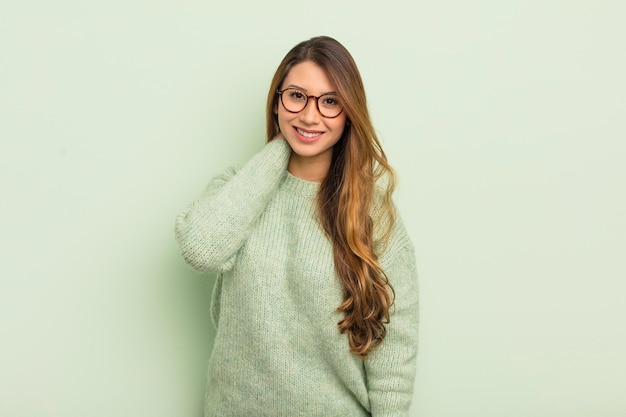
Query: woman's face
310, 135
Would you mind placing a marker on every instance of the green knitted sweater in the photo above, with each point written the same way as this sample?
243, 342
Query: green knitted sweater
278, 350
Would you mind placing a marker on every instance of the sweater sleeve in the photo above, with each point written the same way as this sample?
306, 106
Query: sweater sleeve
391, 367
216, 225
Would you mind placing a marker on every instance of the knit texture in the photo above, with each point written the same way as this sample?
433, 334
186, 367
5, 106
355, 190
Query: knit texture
278, 350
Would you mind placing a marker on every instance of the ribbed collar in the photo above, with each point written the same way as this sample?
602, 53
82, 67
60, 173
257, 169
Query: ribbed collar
299, 186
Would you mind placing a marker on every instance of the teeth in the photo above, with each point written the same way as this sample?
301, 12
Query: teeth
307, 134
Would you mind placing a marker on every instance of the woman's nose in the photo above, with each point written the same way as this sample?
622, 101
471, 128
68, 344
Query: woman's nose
310, 114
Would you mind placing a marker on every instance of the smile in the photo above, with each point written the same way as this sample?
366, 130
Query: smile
308, 135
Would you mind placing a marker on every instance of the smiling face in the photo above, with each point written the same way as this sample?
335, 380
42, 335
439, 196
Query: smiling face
310, 135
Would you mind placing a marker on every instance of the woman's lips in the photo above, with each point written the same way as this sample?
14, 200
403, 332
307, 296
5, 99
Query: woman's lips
307, 136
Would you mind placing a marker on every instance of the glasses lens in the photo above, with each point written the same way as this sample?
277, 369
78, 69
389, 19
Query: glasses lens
329, 105
294, 100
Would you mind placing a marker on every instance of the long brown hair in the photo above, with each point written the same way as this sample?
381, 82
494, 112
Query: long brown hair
348, 195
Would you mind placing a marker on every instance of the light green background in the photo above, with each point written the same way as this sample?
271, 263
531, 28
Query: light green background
504, 120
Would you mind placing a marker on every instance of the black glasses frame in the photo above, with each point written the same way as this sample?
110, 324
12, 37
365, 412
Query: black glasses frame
317, 103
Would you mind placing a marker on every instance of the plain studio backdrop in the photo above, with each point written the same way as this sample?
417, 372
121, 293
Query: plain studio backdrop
504, 121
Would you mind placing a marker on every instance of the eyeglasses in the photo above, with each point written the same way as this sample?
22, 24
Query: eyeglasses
294, 101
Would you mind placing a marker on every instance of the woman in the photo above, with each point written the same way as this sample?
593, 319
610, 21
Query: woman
316, 299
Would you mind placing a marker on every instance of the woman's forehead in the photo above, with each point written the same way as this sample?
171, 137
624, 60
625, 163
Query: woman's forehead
309, 77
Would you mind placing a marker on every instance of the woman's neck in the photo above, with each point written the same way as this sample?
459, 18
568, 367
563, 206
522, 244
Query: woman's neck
309, 169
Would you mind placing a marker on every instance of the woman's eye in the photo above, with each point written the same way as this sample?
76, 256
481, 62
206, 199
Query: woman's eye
330, 101
296, 95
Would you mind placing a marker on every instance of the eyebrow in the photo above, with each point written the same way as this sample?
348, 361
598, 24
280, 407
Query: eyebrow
306, 91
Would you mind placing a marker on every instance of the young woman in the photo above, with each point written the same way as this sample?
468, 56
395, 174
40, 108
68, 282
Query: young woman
315, 303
